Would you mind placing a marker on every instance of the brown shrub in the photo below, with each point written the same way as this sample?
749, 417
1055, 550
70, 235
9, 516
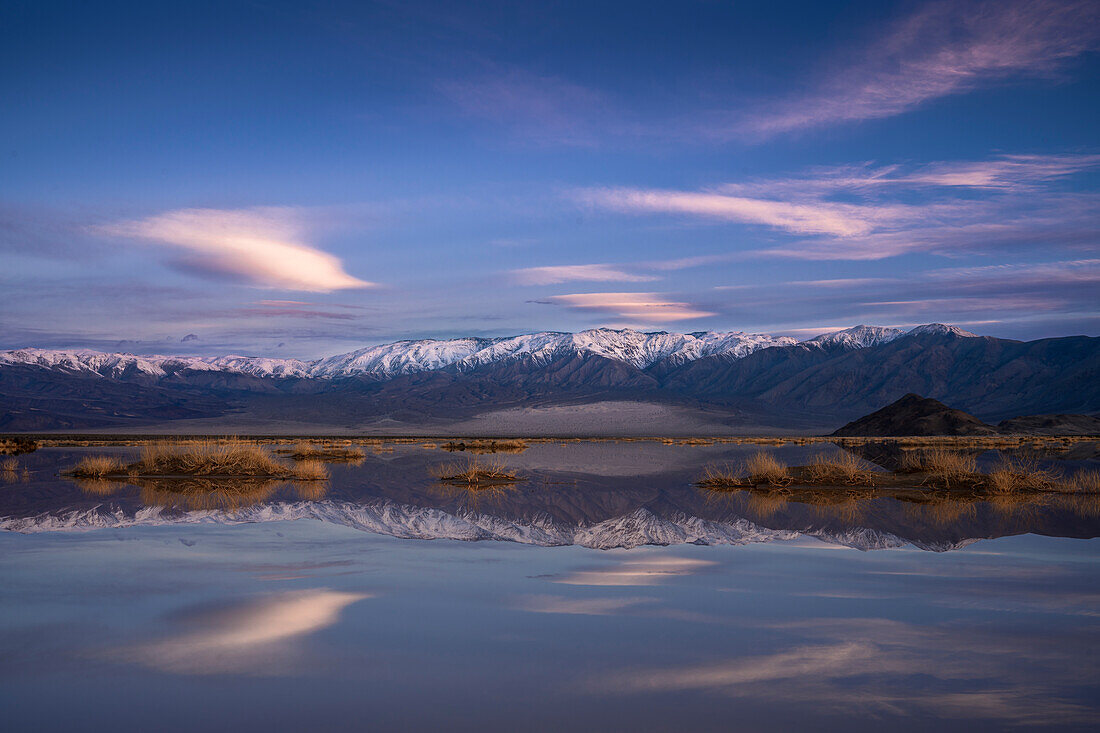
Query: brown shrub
764, 468
845, 469
474, 472
722, 477
98, 466
1087, 482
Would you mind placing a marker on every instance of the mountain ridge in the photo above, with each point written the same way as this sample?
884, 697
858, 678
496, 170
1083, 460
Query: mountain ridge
723, 380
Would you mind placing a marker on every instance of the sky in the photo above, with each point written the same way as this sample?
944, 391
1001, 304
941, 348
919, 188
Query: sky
302, 179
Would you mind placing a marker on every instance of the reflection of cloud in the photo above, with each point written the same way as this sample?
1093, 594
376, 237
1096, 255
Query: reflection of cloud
260, 246
891, 667
250, 638
945, 48
639, 307
646, 570
579, 606
574, 273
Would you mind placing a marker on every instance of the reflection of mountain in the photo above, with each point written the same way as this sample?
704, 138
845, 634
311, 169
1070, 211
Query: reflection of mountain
395, 496
739, 379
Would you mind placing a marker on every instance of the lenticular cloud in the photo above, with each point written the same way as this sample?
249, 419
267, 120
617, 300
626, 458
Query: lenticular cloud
262, 247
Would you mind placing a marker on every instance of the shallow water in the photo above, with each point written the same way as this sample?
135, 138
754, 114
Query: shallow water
624, 599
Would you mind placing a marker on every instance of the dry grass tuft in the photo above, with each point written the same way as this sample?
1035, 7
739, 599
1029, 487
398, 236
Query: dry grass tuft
764, 468
474, 473
760, 468
846, 470
722, 477
98, 467
9, 465
1013, 476
1086, 482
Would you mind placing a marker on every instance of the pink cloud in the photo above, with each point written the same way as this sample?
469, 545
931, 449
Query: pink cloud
637, 307
260, 246
576, 273
944, 49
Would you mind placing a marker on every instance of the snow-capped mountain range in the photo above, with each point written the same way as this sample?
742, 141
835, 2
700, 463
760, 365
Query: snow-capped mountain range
639, 349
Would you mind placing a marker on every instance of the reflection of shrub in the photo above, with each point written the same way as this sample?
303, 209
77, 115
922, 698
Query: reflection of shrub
486, 446
336, 452
310, 470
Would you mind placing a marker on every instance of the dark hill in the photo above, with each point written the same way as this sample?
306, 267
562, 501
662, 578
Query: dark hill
916, 415
1052, 425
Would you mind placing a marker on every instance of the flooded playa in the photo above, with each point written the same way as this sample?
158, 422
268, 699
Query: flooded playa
604, 590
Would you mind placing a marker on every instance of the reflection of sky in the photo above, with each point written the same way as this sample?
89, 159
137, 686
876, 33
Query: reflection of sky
482, 633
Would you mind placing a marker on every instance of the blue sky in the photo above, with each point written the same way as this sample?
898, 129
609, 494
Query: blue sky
289, 180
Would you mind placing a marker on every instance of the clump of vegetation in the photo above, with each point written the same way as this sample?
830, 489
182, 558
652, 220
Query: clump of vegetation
486, 446
1086, 482
231, 458
760, 469
722, 477
475, 473
943, 466
1011, 477
305, 450
17, 446
9, 465
764, 468
98, 467
844, 470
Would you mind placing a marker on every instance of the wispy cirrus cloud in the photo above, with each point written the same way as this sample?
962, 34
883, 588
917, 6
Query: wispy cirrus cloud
263, 247
641, 308
868, 212
819, 217
577, 273
945, 48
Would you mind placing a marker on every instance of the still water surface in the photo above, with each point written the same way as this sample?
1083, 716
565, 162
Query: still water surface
623, 599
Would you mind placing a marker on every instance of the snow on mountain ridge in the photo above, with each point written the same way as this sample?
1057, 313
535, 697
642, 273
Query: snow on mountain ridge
638, 348
858, 337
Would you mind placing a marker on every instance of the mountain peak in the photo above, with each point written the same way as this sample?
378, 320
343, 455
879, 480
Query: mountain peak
941, 329
858, 337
